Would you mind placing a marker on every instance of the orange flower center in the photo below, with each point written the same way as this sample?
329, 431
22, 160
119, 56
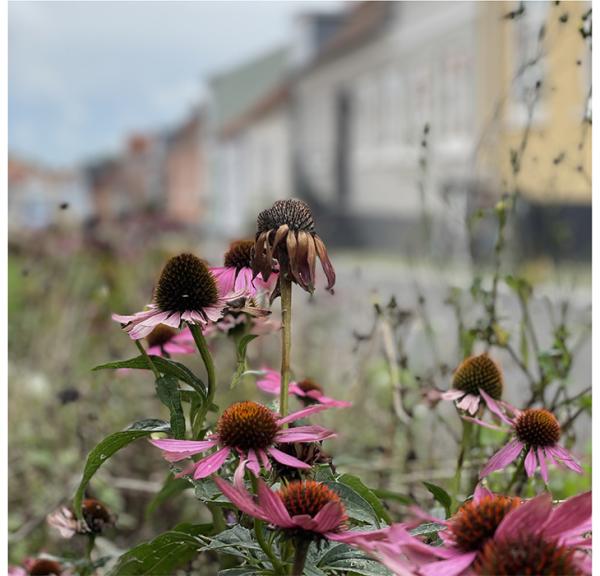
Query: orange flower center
476, 522
537, 427
479, 372
308, 498
247, 425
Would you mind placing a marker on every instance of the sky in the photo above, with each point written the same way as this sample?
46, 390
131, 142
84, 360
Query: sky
83, 75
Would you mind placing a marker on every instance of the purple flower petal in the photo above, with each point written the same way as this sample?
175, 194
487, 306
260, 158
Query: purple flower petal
211, 464
566, 457
482, 423
253, 463
542, 460
302, 413
493, 406
528, 516
571, 518
273, 506
502, 458
329, 517
530, 463
286, 459
450, 567
481, 492
452, 394
241, 498
304, 434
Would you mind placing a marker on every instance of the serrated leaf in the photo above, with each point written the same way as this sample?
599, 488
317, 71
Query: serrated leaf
441, 496
111, 444
357, 507
162, 555
357, 485
233, 541
167, 390
164, 365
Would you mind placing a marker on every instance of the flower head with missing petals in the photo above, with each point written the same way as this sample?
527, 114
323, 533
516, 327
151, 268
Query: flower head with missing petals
475, 374
96, 518
307, 391
186, 291
251, 431
536, 435
286, 233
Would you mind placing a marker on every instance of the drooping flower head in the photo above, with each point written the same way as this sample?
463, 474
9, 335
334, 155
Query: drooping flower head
475, 374
251, 431
286, 233
236, 274
186, 291
307, 391
37, 567
536, 433
96, 518
165, 341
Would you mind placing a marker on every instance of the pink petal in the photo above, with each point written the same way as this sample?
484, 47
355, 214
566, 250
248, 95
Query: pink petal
543, 468
264, 459
491, 404
270, 383
225, 278
482, 423
211, 464
304, 434
241, 498
571, 518
450, 567
329, 517
286, 459
530, 462
452, 394
466, 402
481, 492
305, 522
531, 514
183, 446
302, 413
502, 458
273, 506
253, 464
566, 457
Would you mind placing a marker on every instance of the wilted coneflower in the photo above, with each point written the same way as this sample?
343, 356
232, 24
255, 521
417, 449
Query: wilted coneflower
96, 517
186, 291
286, 234
537, 432
307, 391
236, 274
250, 430
475, 374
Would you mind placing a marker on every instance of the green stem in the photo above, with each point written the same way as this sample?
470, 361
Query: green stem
89, 547
217, 516
148, 359
260, 537
464, 449
518, 472
302, 545
208, 363
286, 340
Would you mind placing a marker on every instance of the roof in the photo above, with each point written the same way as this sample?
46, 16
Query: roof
241, 89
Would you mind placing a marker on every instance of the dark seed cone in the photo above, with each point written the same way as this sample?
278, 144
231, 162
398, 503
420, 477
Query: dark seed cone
479, 372
160, 335
240, 254
286, 233
309, 452
476, 522
528, 555
247, 425
537, 427
308, 385
44, 567
97, 516
185, 283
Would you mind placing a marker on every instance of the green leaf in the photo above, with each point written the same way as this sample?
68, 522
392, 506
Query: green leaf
162, 555
167, 389
242, 346
171, 487
343, 559
523, 343
357, 485
441, 496
428, 529
357, 507
111, 444
394, 496
234, 541
164, 365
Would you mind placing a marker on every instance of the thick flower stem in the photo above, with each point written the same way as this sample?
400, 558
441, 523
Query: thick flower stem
266, 548
464, 449
286, 340
519, 472
302, 545
209, 365
148, 359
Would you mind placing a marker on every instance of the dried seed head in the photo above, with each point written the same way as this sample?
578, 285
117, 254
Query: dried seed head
309, 384
240, 254
537, 427
476, 522
309, 452
246, 425
185, 283
160, 335
296, 214
44, 567
309, 497
526, 555
479, 372
96, 516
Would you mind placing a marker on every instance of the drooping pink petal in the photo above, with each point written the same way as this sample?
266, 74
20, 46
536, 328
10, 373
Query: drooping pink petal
304, 434
570, 518
466, 402
241, 498
566, 457
530, 462
253, 463
322, 399
225, 278
451, 567
493, 406
286, 459
264, 459
542, 460
452, 394
481, 492
305, 413
305, 522
482, 423
211, 464
183, 446
214, 313
329, 517
502, 458
270, 382
273, 506
529, 515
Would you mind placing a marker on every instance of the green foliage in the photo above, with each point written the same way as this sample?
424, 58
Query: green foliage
167, 390
241, 349
440, 496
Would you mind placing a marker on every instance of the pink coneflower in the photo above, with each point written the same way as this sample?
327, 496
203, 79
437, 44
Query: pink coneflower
494, 534
186, 291
537, 432
166, 341
96, 518
307, 391
251, 430
474, 375
236, 274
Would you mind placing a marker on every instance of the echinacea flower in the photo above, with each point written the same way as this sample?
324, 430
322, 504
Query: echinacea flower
494, 535
536, 432
236, 275
37, 567
286, 233
307, 391
186, 291
165, 341
246, 319
250, 430
475, 374
96, 517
